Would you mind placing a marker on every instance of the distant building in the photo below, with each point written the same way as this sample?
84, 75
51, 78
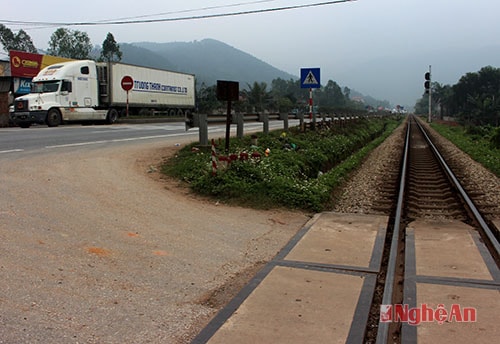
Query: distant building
358, 99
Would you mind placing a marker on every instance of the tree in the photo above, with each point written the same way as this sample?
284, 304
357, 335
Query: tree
330, 97
110, 49
422, 105
476, 96
258, 97
347, 92
285, 94
206, 99
71, 44
20, 41
442, 99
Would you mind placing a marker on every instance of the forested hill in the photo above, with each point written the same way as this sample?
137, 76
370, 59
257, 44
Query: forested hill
210, 60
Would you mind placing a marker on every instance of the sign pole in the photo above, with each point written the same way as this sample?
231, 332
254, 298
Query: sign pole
228, 125
311, 112
228, 91
126, 114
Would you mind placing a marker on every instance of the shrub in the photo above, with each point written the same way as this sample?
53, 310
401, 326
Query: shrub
495, 138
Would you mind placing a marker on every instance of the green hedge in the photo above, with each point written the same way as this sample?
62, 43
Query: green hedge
301, 170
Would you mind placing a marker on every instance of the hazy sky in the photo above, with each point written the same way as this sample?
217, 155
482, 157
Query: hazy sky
364, 36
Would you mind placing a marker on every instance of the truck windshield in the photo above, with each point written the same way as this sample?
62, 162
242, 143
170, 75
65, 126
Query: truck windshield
45, 87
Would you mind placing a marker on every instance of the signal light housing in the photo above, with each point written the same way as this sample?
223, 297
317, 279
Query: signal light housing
427, 83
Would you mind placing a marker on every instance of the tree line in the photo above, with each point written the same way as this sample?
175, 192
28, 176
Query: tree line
283, 96
73, 44
473, 100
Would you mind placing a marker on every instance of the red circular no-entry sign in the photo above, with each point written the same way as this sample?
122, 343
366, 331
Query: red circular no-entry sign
127, 83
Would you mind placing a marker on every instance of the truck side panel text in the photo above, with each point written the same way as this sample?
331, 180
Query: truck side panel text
148, 86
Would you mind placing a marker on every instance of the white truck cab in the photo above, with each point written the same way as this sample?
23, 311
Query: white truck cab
60, 92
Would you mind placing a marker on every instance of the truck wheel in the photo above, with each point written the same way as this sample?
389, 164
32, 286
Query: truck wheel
112, 116
180, 113
53, 118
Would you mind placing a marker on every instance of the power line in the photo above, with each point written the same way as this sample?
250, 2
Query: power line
191, 10
208, 16
38, 25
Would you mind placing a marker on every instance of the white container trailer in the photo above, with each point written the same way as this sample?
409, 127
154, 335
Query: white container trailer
151, 87
90, 91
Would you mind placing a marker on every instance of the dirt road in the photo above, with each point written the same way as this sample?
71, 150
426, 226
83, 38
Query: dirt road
96, 249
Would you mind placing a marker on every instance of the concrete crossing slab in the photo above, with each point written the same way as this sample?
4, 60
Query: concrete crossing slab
448, 249
295, 306
340, 239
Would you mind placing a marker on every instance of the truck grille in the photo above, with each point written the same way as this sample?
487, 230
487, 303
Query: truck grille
21, 105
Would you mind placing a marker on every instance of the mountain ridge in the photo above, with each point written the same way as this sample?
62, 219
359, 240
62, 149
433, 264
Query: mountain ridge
210, 60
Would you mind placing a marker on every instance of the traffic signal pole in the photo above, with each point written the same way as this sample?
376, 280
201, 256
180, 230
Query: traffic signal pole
430, 95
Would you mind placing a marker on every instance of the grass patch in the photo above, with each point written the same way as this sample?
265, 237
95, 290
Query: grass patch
300, 172
481, 143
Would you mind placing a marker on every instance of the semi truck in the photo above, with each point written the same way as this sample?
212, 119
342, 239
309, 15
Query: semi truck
86, 90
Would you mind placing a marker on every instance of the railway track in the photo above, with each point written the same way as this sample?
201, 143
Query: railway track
430, 196
415, 274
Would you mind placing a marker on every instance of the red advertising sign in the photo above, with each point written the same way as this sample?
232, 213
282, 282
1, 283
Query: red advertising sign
24, 64
27, 65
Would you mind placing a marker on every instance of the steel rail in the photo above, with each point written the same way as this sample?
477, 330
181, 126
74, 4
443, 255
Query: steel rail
387, 298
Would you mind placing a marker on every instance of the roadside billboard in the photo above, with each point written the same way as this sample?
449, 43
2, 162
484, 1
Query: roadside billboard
27, 65
24, 66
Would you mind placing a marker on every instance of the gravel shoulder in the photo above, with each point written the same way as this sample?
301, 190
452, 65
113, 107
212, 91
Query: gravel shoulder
96, 248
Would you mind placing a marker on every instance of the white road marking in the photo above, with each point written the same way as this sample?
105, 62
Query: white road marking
137, 128
76, 144
12, 151
117, 140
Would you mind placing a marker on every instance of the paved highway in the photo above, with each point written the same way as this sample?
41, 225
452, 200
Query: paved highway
37, 139
40, 138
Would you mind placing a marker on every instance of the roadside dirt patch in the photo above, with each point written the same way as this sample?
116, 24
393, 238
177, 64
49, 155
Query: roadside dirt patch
98, 247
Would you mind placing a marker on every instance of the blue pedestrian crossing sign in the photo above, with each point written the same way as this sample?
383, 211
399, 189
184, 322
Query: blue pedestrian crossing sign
310, 78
